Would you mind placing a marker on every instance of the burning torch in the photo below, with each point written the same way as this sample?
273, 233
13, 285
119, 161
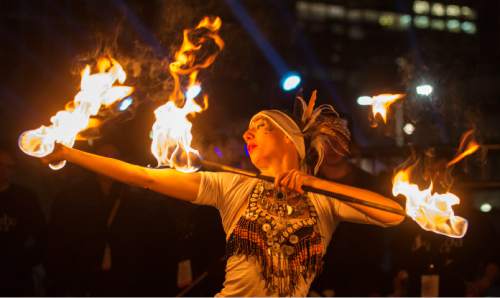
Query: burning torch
97, 91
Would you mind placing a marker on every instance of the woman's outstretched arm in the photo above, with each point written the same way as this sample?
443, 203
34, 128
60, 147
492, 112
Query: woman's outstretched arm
295, 179
383, 217
183, 186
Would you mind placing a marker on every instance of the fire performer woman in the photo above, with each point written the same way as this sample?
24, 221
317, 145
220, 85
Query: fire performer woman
276, 234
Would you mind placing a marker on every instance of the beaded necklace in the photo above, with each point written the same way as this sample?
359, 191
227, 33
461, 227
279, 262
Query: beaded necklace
281, 233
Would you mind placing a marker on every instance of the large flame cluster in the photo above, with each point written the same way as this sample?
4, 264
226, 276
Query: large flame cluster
96, 91
432, 211
171, 132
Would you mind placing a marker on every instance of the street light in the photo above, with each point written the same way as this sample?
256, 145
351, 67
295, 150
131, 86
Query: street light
485, 207
424, 90
408, 128
290, 81
364, 100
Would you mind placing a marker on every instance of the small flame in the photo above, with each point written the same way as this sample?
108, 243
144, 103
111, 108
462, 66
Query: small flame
381, 103
432, 211
171, 132
468, 145
96, 90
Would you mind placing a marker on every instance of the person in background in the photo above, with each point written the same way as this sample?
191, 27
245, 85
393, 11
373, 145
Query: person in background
341, 274
22, 232
104, 240
487, 284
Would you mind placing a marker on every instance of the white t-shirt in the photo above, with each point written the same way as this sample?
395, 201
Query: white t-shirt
229, 194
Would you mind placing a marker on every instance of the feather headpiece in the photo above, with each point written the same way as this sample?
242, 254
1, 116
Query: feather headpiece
322, 128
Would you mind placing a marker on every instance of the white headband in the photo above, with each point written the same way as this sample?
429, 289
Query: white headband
288, 126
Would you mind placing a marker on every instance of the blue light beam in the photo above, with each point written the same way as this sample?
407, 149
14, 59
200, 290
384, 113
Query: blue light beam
265, 47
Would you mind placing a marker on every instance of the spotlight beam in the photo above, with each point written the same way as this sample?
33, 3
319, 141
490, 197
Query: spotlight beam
265, 47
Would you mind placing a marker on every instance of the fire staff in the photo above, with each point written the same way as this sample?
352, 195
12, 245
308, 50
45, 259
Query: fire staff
276, 234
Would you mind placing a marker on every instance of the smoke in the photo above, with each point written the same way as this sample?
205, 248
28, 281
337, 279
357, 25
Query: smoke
146, 58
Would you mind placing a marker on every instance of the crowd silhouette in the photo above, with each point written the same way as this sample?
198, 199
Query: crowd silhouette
101, 238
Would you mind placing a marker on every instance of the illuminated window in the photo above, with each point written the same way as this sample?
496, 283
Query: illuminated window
318, 10
421, 22
302, 9
404, 21
438, 24
335, 58
317, 27
355, 32
453, 10
335, 11
337, 29
335, 74
387, 19
354, 15
453, 25
468, 13
469, 27
438, 9
371, 15
421, 7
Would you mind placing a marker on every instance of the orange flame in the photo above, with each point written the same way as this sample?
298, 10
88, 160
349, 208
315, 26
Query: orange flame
468, 146
382, 102
171, 132
96, 90
432, 211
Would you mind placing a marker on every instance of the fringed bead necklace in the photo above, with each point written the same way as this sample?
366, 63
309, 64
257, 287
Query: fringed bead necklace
282, 234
